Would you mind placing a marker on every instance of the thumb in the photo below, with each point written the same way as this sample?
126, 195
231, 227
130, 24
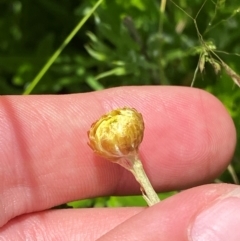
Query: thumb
219, 221
209, 213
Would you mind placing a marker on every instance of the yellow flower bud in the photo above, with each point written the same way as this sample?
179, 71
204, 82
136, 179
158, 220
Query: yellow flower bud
117, 134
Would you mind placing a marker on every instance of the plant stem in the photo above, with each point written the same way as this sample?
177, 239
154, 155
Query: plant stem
134, 165
55, 55
148, 192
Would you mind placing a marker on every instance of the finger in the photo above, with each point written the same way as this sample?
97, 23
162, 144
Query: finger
189, 139
68, 224
210, 212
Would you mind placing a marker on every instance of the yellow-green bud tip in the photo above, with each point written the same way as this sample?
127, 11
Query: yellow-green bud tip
117, 134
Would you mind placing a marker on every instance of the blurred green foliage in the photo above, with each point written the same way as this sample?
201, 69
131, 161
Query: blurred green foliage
125, 42
130, 201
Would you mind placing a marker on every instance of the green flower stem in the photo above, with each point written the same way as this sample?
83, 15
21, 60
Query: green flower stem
134, 165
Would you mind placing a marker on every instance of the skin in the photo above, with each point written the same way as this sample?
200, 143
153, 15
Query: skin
189, 141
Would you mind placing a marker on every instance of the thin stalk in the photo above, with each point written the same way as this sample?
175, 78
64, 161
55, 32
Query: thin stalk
55, 55
163, 78
134, 165
233, 174
148, 192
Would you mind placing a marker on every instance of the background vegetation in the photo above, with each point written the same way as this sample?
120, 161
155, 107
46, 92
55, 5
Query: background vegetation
124, 42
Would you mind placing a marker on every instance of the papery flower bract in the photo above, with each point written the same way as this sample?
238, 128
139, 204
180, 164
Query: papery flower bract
117, 134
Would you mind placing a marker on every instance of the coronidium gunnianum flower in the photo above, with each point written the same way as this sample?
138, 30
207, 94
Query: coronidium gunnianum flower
117, 134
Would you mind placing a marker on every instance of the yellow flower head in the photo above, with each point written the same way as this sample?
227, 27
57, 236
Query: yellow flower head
117, 134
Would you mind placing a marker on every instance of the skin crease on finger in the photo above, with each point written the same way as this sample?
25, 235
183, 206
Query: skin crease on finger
45, 161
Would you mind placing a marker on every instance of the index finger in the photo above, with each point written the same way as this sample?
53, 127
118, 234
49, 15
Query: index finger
189, 139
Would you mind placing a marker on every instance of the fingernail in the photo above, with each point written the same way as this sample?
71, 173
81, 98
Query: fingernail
218, 222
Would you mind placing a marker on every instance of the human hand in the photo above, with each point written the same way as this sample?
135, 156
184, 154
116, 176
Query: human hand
45, 161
